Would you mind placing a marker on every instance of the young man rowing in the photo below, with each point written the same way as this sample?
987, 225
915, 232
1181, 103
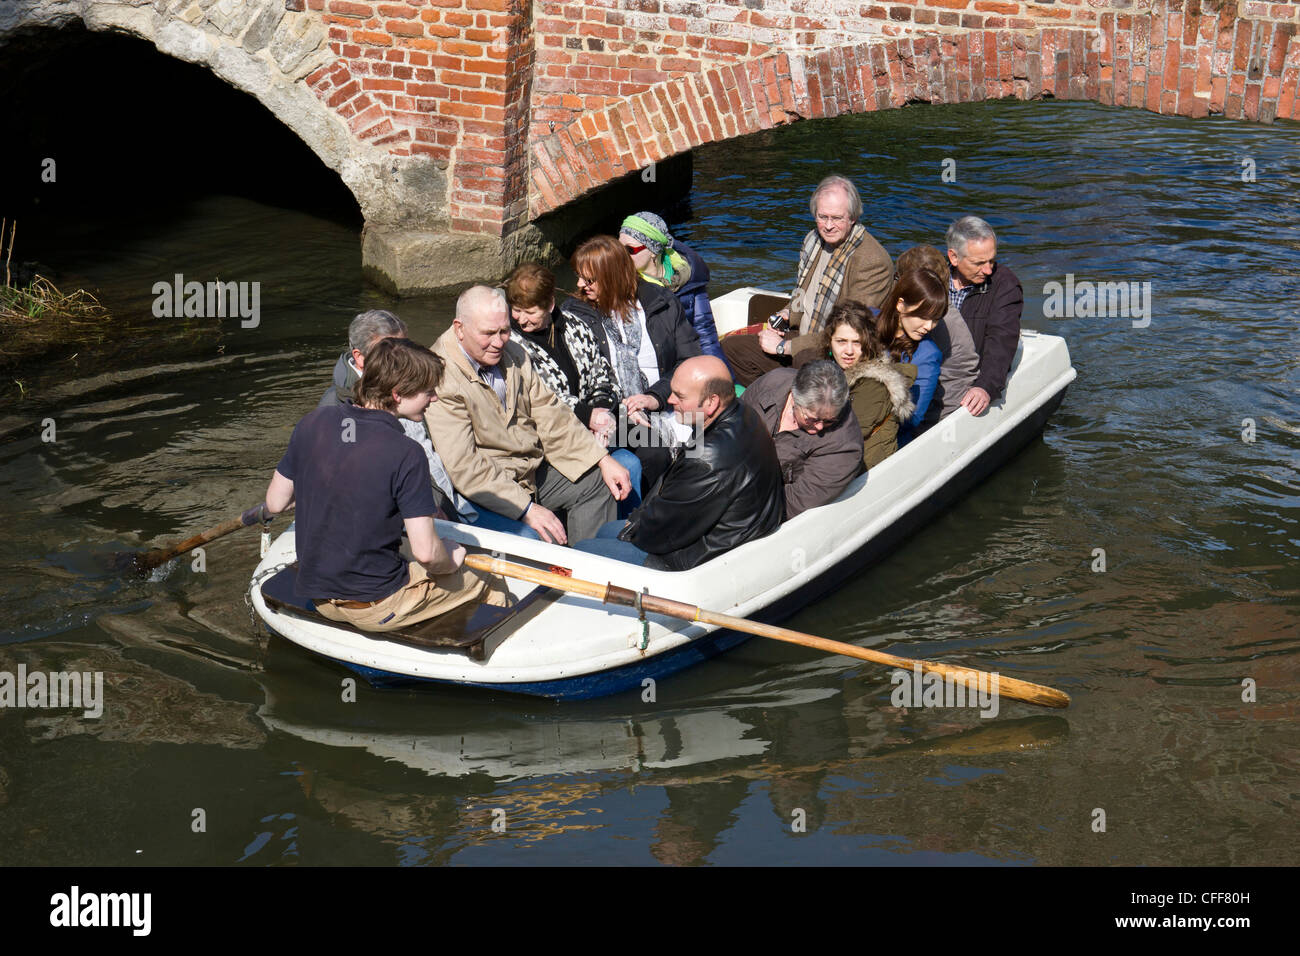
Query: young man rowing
358, 481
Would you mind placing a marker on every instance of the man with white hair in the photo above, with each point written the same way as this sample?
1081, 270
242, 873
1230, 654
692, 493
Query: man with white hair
509, 443
839, 261
990, 299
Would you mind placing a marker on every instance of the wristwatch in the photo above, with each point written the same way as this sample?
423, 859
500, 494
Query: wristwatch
780, 347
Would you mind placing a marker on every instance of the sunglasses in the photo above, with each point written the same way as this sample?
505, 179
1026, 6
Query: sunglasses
633, 250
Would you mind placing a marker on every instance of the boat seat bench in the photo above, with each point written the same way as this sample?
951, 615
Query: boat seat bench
464, 628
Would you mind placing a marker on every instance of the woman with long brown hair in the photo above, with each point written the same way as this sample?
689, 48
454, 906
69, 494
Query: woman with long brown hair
642, 332
915, 304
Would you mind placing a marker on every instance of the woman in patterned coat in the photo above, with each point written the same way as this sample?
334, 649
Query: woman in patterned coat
566, 357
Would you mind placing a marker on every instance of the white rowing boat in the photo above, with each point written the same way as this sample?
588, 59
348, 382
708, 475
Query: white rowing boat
565, 646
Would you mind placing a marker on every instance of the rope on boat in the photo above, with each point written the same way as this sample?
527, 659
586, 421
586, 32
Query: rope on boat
257, 583
640, 613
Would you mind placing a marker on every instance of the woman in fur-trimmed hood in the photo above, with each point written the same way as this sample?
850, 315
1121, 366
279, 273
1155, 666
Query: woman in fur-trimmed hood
879, 387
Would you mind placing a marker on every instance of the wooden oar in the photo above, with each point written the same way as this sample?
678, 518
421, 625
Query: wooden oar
144, 563
972, 679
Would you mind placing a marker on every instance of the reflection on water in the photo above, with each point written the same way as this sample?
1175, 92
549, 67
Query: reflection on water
172, 433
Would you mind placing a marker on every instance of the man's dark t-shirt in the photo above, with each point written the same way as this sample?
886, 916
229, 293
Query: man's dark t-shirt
356, 476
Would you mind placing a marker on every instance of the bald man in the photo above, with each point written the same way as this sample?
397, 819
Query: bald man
510, 445
722, 489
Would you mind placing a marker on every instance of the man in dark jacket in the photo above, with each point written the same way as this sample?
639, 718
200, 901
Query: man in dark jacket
990, 299
721, 490
817, 436
363, 332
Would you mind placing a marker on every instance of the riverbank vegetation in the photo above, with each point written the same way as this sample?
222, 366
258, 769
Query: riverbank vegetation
37, 319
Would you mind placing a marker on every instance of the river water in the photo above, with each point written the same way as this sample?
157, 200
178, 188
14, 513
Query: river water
1141, 555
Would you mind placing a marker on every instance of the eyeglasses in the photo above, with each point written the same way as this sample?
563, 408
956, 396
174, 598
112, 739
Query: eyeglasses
806, 419
832, 220
633, 250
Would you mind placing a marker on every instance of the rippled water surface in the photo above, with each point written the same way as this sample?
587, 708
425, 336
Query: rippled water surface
1145, 460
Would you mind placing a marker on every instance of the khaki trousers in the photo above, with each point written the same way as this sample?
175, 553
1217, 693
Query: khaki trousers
423, 598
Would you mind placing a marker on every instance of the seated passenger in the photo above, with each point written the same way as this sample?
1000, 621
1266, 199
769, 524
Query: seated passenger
721, 490
565, 355
989, 298
839, 261
507, 440
671, 263
915, 303
365, 330
960, 360
643, 334
358, 482
817, 436
878, 386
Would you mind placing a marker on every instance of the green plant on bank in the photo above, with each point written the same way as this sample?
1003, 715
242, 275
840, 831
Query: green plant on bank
38, 322
40, 299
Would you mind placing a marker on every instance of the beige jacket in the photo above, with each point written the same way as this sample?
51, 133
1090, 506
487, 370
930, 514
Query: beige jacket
491, 453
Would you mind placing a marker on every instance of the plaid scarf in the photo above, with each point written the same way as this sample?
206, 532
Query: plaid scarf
819, 302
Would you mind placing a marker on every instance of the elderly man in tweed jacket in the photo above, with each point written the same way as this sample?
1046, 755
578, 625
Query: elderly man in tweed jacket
507, 440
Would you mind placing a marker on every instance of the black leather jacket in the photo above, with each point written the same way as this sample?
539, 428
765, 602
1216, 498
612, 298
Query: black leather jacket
671, 333
712, 499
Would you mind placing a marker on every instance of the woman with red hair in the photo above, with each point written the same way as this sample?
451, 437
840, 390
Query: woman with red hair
642, 332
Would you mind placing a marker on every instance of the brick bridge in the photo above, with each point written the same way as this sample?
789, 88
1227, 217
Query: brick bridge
464, 127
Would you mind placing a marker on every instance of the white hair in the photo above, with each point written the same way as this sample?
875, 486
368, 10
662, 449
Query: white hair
968, 229
480, 298
836, 181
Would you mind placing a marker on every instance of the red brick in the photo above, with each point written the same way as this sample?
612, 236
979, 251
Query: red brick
1281, 39
1251, 104
342, 8
367, 36
456, 48
366, 118
1121, 93
1172, 64
727, 47
1218, 94
1241, 44
1288, 105
343, 94
379, 129
453, 78
1204, 65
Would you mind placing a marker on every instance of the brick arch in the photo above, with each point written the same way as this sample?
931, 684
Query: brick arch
1192, 61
